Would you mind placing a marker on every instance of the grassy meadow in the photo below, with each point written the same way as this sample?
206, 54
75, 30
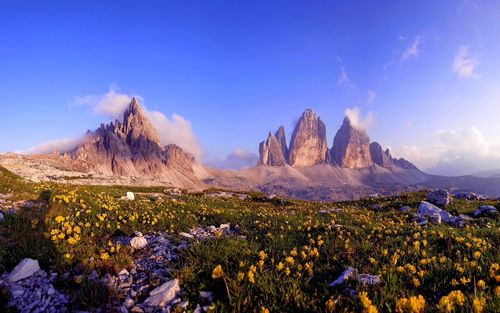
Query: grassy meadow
287, 255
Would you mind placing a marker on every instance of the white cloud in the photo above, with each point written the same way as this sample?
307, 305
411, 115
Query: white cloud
358, 121
111, 104
175, 130
372, 95
343, 79
455, 152
61, 146
238, 159
413, 50
464, 65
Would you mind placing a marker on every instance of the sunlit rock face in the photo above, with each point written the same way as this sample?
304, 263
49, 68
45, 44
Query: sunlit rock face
308, 145
273, 151
351, 147
131, 147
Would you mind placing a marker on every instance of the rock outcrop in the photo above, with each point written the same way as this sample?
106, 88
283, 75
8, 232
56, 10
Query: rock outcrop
308, 145
380, 157
130, 148
351, 147
273, 151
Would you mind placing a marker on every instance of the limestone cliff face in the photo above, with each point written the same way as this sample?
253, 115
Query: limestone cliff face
380, 157
351, 147
130, 148
273, 151
280, 136
308, 145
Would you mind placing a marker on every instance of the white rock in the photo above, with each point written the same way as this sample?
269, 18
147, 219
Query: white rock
186, 235
225, 226
432, 211
130, 196
138, 243
25, 268
348, 274
485, 209
428, 209
164, 294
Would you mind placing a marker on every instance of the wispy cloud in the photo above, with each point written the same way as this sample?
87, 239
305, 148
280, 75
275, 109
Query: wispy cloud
413, 50
464, 65
357, 120
372, 95
343, 79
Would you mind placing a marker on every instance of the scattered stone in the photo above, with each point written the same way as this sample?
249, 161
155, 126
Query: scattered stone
1, 216
439, 197
485, 209
469, 196
130, 196
24, 269
208, 295
138, 242
437, 215
405, 209
186, 235
225, 227
35, 293
367, 279
163, 295
349, 273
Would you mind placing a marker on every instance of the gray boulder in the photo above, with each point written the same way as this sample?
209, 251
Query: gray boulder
484, 209
437, 215
24, 269
439, 197
164, 294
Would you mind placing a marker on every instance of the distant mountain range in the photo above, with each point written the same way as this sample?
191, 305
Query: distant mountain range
129, 152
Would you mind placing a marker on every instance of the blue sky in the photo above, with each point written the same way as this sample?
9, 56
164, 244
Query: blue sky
427, 72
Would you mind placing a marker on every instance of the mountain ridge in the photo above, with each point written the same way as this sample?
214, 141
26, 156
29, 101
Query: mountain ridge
129, 152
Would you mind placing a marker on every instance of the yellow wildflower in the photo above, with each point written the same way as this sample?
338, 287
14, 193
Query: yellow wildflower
478, 304
411, 305
367, 303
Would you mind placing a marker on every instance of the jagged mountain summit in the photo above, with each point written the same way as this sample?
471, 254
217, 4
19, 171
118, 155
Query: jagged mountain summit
351, 148
132, 148
308, 145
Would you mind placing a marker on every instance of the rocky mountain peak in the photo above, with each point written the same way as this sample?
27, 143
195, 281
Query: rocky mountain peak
351, 147
380, 157
137, 126
308, 145
273, 151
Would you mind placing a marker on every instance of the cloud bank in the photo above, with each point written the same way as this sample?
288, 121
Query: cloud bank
60, 146
457, 152
238, 159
